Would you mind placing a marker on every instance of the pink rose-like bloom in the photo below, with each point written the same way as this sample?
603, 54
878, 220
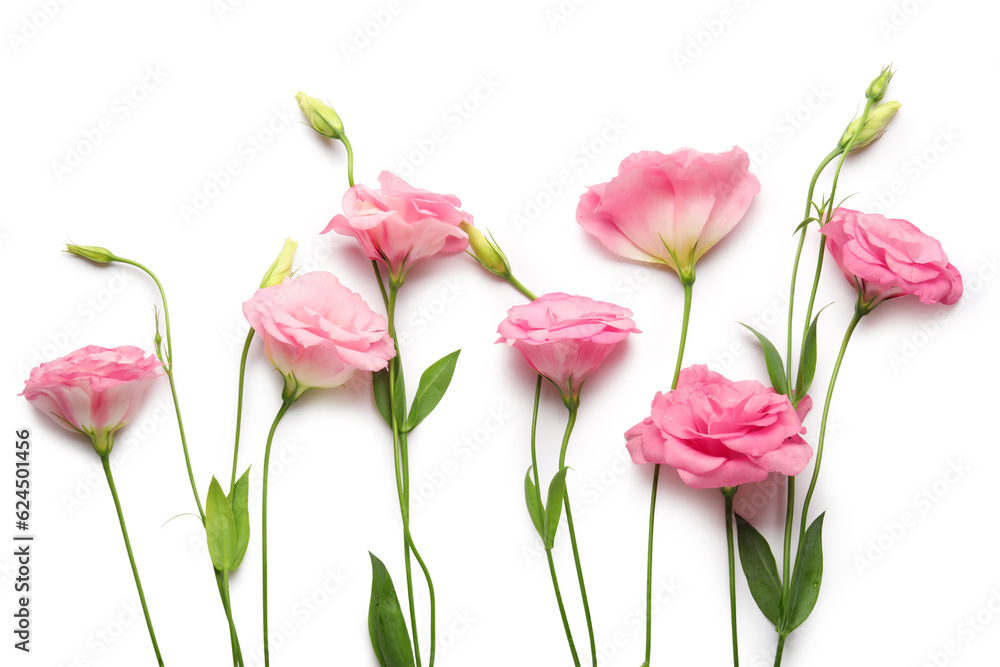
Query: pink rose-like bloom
718, 433
317, 332
399, 225
94, 390
886, 258
670, 208
565, 338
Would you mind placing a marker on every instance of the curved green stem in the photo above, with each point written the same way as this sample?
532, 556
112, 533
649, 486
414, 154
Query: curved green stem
572, 536
798, 254
237, 652
519, 287
688, 285
131, 558
350, 158
540, 504
287, 403
239, 408
728, 492
822, 426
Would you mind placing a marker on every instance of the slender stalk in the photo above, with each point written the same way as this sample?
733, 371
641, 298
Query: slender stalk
572, 536
239, 408
858, 314
786, 580
131, 558
237, 652
688, 285
350, 158
728, 492
287, 403
798, 253
169, 370
780, 650
520, 288
540, 505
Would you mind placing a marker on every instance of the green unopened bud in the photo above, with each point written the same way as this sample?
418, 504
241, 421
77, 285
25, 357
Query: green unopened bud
878, 119
281, 266
322, 118
92, 252
876, 89
486, 251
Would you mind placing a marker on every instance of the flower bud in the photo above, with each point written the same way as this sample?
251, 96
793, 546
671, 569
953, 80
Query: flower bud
875, 124
322, 118
92, 252
281, 266
876, 89
486, 251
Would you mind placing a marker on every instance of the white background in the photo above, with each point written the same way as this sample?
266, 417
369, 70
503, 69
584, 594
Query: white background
492, 103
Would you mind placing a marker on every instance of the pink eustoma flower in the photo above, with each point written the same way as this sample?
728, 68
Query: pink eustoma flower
886, 258
399, 225
719, 433
317, 332
93, 390
670, 209
565, 338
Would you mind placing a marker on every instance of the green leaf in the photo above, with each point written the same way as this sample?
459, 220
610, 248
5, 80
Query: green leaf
807, 364
553, 507
386, 625
531, 498
400, 406
380, 387
806, 577
220, 528
775, 367
804, 223
760, 569
433, 383
239, 501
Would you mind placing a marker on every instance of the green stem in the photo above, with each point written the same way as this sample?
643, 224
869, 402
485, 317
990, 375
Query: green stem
237, 652
540, 505
798, 254
287, 403
688, 285
786, 580
519, 287
728, 492
780, 650
131, 558
858, 314
239, 408
572, 536
350, 158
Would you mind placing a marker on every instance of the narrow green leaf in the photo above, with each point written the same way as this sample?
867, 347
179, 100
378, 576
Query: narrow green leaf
386, 625
400, 406
760, 569
775, 367
433, 383
804, 223
807, 364
240, 502
220, 528
531, 498
553, 507
806, 577
380, 388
